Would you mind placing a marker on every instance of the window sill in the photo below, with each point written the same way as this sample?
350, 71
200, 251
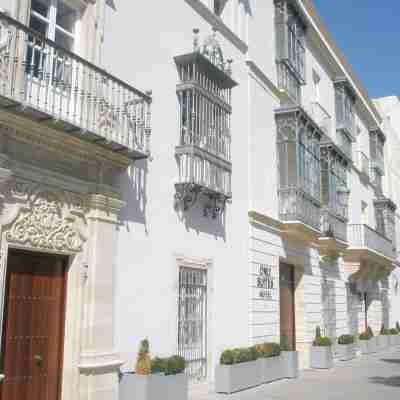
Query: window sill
217, 23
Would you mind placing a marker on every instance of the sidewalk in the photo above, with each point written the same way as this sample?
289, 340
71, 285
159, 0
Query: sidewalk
376, 376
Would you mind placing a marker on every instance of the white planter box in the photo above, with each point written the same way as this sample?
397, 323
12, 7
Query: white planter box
394, 340
383, 342
368, 346
232, 378
272, 369
321, 357
290, 361
153, 387
346, 351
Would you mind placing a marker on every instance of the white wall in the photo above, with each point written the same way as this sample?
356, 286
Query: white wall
151, 232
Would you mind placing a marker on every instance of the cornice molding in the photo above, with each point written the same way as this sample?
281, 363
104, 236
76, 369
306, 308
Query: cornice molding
58, 142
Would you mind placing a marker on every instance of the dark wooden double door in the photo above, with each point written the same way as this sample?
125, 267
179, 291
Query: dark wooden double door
287, 304
33, 326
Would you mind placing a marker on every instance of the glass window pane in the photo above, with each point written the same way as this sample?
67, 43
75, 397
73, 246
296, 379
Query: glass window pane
64, 41
38, 25
41, 7
66, 17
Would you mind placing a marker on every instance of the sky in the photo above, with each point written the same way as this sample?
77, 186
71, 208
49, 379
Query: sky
368, 34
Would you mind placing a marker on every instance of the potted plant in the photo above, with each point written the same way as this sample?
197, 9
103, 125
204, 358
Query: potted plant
321, 351
367, 341
290, 359
270, 361
346, 347
383, 338
155, 379
238, 369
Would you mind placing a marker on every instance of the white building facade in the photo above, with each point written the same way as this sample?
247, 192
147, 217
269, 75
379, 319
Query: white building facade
252, 194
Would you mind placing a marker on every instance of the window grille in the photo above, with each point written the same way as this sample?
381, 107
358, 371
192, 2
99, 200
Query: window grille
204, 150
192, 323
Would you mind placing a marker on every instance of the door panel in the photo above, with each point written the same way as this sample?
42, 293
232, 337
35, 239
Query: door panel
33, 328
287, 310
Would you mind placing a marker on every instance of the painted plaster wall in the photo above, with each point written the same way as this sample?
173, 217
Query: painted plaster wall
151, 233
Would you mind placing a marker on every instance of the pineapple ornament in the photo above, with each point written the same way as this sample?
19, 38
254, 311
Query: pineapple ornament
143, 362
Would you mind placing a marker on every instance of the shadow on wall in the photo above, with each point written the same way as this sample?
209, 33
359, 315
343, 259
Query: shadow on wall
133, 184
199, 219
387, 381
391, 360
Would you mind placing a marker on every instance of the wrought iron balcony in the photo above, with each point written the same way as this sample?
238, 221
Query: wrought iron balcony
363, 163
296, 206
48, 83
367, 243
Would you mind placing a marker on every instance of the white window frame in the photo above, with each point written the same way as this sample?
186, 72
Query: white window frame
51, 22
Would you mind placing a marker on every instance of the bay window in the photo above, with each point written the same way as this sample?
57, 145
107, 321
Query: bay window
345, 98
334, 167
290, 49
298, 142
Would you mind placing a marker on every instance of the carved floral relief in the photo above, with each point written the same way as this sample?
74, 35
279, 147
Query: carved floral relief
45, 220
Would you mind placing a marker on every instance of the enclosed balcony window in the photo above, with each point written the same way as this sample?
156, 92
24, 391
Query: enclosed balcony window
290, 48
376, 148
385, 218
204, 150
344, 99
298, 142
335, 192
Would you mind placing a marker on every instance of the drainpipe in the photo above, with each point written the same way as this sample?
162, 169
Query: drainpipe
365, 311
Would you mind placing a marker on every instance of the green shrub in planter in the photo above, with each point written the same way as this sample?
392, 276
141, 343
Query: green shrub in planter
168, 366
322, 341
398, 326
266, 350
384, 331
393, 331
365, 335
237, 356
346, 339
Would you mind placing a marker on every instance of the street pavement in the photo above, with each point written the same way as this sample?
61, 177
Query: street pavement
376, 376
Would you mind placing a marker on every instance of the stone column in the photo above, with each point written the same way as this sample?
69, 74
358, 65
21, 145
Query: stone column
99, 361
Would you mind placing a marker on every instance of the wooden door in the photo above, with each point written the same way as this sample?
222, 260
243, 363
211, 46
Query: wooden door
33, 327
287, 310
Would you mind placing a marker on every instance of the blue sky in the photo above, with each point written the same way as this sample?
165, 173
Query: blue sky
368, 34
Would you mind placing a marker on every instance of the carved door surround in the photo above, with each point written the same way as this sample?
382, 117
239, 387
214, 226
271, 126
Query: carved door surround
39, 217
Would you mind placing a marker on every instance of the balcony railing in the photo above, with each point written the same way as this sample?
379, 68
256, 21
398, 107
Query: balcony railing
363, 163
47, 82
333, 226
363, 236
321, 117
296, 205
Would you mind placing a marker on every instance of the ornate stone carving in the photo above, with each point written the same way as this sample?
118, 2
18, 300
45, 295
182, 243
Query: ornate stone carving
44, 224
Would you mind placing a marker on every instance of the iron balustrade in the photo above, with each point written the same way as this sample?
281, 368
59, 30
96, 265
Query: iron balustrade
363, 236
199, 169
296, 205
54, 83
333, 224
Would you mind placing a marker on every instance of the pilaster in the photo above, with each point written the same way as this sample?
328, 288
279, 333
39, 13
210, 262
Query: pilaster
99, 361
